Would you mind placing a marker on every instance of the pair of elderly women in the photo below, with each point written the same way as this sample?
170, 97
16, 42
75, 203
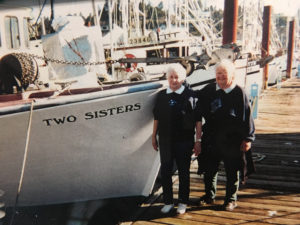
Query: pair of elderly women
225, 135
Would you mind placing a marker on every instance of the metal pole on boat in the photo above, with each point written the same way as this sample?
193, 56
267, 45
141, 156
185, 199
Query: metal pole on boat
186, 24
42, 17
52, 11
266, 42
125, 26
290, 49
96, 20
169, 16
230, 19
110, 5
144, 18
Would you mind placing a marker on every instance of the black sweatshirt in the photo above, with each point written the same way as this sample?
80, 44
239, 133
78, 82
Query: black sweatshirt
227, 116
175, 115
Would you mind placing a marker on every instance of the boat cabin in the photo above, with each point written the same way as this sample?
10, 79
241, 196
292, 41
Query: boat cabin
14, 29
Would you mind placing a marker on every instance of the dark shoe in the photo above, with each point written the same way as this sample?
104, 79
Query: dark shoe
205, 200
230, 206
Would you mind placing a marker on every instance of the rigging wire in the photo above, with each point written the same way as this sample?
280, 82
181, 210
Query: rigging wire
40, 13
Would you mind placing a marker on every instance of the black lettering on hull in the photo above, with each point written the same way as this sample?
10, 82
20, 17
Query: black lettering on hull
94, 115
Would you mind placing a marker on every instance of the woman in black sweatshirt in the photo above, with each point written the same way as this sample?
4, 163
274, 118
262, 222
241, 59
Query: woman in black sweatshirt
174, 123
228, 131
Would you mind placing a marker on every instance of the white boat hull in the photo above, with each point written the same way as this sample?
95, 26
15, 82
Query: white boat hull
101, 150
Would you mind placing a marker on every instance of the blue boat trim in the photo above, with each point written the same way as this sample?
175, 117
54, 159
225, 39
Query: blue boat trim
144, 87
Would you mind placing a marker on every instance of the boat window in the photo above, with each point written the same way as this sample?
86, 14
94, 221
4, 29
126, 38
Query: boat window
107, 53
173, 52
185, 51
157, 53
26, 31
12, 34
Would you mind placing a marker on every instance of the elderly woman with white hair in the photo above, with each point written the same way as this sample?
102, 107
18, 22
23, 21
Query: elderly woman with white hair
174, 123
226, 134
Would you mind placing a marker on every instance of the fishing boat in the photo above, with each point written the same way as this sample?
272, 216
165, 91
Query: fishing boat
137, 37
63, 143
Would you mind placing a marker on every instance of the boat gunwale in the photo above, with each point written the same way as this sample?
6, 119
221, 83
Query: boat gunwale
80, 95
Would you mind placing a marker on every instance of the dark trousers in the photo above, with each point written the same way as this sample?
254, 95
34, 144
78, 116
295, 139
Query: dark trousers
181, 152
232, 178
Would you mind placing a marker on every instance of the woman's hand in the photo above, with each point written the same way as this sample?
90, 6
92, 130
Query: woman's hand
245, 146
197, 148
154, 142
154, 139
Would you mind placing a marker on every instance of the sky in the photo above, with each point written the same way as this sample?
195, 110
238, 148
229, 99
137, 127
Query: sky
287, 7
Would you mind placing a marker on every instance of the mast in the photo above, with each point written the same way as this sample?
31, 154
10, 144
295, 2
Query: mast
244, 40
110, 3
96, 20
52, 11
124, 12
251, 26
144, 16
186, 23
42, 18
169, 16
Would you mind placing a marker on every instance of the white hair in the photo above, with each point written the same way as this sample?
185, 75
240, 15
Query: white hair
178, 69
228, 66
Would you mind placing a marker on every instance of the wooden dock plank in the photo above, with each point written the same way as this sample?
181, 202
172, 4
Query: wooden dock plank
271, 196
272, 207
231, 215
258, 212
293, 216
199, 219
183, 221
256, 223
143, 222
281, 220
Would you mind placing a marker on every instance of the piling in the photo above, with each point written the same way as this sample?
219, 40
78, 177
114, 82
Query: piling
230, 21
266, 42
290, 49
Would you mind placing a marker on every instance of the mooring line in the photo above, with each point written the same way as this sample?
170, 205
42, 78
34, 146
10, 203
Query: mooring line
24, 162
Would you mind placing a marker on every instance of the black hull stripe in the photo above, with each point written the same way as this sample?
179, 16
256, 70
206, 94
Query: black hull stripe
252, 72
203, 82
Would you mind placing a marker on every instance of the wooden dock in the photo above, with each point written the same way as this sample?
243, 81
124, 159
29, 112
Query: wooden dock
272, 195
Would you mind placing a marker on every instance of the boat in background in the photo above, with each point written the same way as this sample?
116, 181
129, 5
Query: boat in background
132, 37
